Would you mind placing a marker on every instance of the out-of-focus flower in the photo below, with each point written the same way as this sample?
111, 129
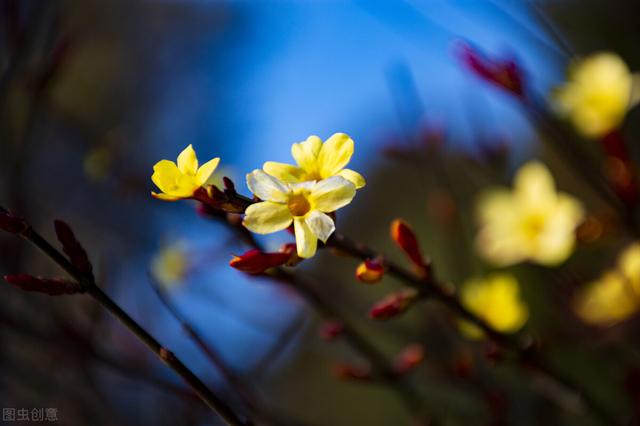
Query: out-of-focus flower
170, 265
305, 204
503, 73
181, 180
496, 300
531, 222
98, 162
393, 305
72, 248
370, 271
598, 93
615, 296
257, 262
316, 161
404, 237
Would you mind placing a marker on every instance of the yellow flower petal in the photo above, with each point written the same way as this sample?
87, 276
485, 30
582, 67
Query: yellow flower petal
165, 174
335, 154
164, 197
205, 172
534, 184
285, 172
330, 194
306, 240
353, 177
187, 161
321, 225
267, 217
306, 153
266, 187
496, 300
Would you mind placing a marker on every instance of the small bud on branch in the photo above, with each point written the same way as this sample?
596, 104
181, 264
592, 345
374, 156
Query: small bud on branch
50, 286
404, 237
351, 372
409, 358
12, 223
502, 73
72, 247
257, 262
331, 329
370, 271
393, 304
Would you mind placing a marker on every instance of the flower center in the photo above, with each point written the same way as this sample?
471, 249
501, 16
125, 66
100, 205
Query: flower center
299, 205
533, 226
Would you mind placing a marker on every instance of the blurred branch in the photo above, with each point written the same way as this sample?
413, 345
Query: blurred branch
87, 282
246, 394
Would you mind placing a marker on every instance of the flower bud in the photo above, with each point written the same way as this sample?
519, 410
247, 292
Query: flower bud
257, 262
503, 73
50, 286
393, 305
405, 238
351, 372
409, 358
370, 271
11, 223
72, 247
331, 329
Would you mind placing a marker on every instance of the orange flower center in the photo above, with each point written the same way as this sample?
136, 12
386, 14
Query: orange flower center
299, 205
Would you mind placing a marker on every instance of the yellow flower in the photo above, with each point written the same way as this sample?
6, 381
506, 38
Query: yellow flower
531, 222
170, 265
317, 161
305, 204
181, 180
496, 300
598, 93
615, 296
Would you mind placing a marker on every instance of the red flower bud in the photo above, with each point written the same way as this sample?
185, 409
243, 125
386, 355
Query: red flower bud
503, 73
257, 262
409, 358
11, 223
393, 305
350, 372
50, 286
72, 247
405, 238
370, 271
331, 329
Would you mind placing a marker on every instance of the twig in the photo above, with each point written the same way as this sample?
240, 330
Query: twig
88, 284
246, 394
430, 287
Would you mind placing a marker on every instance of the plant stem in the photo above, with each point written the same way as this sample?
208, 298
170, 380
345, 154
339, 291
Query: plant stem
206, 395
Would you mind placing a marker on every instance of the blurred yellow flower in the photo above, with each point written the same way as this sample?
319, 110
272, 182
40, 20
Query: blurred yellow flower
615, 296
531, 222
598, 93
317, 161
305, 204
181, 180
496, 300
170, 265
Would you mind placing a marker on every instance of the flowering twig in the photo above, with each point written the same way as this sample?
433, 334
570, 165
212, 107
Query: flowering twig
13, 224
430, 287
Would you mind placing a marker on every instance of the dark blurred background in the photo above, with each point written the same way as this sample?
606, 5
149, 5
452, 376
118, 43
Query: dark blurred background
93, 93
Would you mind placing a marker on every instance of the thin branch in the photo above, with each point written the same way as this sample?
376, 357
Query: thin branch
206, 395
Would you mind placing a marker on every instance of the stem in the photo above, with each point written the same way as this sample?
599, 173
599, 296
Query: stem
206, 395
246, 394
